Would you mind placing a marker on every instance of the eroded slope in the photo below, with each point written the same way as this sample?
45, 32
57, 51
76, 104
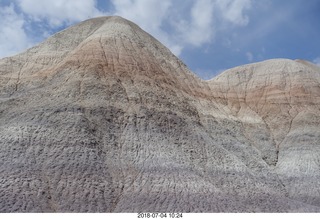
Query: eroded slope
103, 118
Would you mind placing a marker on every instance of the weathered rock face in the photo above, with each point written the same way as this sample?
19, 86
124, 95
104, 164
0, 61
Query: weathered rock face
103, 118
278, 103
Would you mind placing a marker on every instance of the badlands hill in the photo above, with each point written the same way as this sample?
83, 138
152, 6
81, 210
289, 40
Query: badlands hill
103, 118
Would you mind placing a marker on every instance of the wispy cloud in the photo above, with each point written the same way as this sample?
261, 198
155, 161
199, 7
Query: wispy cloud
191, 23
178, 24
59, 12
19, 19
150, 15
201, 25
13, 37
234, 10
317, 61
249, 56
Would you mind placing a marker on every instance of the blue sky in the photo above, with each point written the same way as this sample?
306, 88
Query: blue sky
208, 35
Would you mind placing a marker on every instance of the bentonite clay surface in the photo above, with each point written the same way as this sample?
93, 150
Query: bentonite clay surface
103, 118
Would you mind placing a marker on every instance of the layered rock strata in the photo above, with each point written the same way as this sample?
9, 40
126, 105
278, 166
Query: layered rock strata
101, 117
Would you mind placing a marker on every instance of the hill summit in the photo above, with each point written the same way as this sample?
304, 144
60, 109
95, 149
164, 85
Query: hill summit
101, 117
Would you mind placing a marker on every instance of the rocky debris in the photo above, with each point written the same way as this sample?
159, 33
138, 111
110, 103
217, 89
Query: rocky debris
101, 117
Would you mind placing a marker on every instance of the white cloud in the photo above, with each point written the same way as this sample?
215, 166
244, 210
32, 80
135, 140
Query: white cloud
317, 61
194, 27
13, 38
233, 10
176, 23
249, 56
58, 12
191, 23
150, 15
201, 25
